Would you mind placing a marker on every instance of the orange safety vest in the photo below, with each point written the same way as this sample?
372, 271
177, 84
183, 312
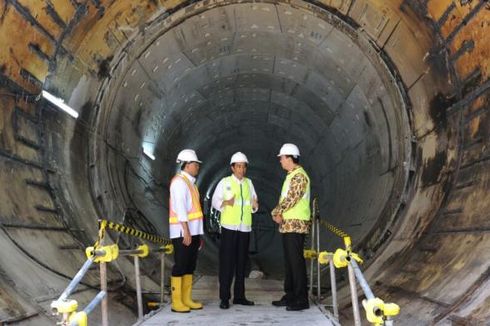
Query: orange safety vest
196, 210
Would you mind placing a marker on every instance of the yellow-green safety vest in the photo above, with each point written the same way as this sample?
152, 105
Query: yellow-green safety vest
241, 211
300, 211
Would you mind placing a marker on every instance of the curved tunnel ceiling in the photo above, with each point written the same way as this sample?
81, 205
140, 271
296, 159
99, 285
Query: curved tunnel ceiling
250, 77
387, 100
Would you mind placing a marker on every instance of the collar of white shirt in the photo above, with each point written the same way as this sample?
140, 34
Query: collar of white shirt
238, 180
188, 176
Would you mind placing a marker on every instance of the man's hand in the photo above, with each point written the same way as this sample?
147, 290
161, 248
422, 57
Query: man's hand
229, 202
255, 205
187, 235
277, 218
187, 239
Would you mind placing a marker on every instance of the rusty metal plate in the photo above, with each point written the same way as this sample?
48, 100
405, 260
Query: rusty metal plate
377, 19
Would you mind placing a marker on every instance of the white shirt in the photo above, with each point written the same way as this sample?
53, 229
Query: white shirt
181, 199
217, 201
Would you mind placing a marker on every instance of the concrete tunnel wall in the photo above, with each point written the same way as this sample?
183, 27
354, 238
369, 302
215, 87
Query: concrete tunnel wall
387, 100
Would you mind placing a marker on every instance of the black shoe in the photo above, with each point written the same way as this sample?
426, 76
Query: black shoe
280, 303
243, 302
224, 304
298, 306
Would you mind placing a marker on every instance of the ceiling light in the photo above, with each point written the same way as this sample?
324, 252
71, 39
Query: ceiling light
60, 103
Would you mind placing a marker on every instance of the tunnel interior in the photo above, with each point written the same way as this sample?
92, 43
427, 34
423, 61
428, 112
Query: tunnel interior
387, 101
250, 77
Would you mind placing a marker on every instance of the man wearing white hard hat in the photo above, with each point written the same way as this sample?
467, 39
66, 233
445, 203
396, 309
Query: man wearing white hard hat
236, 199
186, 227
292, 213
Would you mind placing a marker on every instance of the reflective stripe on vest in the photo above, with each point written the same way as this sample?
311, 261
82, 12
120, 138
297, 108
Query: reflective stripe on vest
241, 211
196, 210
300, 211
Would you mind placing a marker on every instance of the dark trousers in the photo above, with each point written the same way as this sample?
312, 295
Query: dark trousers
185, 257
295, 282
233, 255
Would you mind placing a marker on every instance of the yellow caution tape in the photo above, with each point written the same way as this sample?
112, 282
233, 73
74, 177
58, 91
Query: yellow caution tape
334, 229
339, 233
130, 231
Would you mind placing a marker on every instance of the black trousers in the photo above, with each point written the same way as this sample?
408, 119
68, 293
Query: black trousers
185, 257
233, 255
295, 282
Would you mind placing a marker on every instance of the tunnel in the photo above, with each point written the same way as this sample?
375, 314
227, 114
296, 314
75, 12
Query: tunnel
387, 101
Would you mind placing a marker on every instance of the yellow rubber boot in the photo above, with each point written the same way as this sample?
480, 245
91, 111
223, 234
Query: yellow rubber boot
187, 293
177, 305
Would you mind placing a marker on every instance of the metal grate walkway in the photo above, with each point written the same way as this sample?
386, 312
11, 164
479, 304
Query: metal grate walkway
262, 292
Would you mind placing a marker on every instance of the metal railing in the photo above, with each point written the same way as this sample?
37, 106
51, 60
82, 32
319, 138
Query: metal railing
377, 311
102, 255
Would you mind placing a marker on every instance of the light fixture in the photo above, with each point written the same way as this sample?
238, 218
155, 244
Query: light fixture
148, 152
60, 103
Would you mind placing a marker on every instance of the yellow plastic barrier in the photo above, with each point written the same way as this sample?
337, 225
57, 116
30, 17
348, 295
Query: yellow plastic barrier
324, 257
64, 307
310, 254
80, 318
111, 252
144, 251
168, 249
105, 254
347, 242
341, 258
377, 310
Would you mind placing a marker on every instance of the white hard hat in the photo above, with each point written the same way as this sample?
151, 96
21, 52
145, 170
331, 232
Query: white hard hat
289, 149
187, 155
238, 157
